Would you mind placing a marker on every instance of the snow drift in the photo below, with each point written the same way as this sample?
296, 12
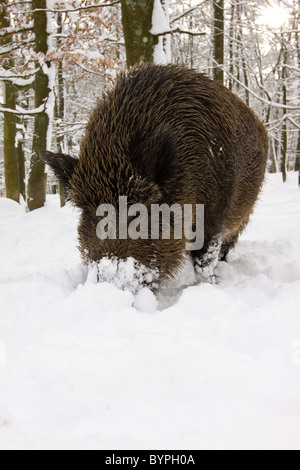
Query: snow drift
86, 365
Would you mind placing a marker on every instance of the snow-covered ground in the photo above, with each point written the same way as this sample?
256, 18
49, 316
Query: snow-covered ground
215, 367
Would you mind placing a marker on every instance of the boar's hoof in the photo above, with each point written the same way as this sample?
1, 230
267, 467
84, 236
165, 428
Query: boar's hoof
205, 264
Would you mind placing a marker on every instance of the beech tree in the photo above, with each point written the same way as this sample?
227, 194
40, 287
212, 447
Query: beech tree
146, 31
37, 176
232, 42
10, 151
254, 62
137, 23
28, 62
218, 33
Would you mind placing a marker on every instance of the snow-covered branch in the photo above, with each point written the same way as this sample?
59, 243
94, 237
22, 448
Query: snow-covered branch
291, 67
287, 4
25, 2
9, 31
187, 12
8, 75
88, 70
86, 7
180, 30
24, 112
260, 98
10, 48
274, 125
292, 121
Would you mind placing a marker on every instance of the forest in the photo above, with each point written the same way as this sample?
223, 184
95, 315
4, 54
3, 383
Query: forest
94, 354
56, 58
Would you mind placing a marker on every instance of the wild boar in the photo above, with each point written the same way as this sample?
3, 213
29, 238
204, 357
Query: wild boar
166, 135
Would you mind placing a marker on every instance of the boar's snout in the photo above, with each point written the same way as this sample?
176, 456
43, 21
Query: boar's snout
148, 258
126, 274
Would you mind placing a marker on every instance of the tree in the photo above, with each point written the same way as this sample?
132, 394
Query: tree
218, 40
27, 66
297, 43
241, 49
21, 157
137, 23
284, 142
37, 176
11, 167
89, 49
60, 103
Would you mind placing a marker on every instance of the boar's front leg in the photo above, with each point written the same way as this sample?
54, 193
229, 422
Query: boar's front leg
206, 259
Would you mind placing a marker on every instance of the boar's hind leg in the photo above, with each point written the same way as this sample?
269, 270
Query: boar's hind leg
206, 259
231, 236
226, 247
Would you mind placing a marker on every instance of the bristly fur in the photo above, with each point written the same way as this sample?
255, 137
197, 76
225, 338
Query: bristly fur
166, 134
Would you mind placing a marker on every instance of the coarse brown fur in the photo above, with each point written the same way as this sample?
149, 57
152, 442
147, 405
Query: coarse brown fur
166, 134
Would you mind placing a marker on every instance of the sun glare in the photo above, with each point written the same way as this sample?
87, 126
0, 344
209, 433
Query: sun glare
274, 17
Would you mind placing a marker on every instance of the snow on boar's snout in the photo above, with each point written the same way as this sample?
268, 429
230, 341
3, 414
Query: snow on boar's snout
164, 135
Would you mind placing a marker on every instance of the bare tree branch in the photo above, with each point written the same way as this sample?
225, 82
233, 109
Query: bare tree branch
180, 30
289, 118
89, 71
291, 67
260, 98
276, 124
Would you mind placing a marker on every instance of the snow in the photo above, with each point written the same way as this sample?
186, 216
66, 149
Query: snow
17, 80
89, 366
9, 208
145, 301
125, 274
2, 92
160, 24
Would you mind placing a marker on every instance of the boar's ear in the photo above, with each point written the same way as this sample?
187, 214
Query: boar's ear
156, 157
62, 165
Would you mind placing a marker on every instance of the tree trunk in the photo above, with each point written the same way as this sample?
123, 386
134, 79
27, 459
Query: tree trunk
218, 41
273, 169
241, 52
284, 126
137, 23
191, 41
21, 172
296, 26
10, 151
284, 150
60, 105
231, 42
247, 99
37, 176
297, 161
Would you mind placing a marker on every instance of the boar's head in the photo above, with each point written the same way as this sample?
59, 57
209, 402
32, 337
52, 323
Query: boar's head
88, 187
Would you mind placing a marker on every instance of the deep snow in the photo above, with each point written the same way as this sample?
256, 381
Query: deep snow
217, 366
